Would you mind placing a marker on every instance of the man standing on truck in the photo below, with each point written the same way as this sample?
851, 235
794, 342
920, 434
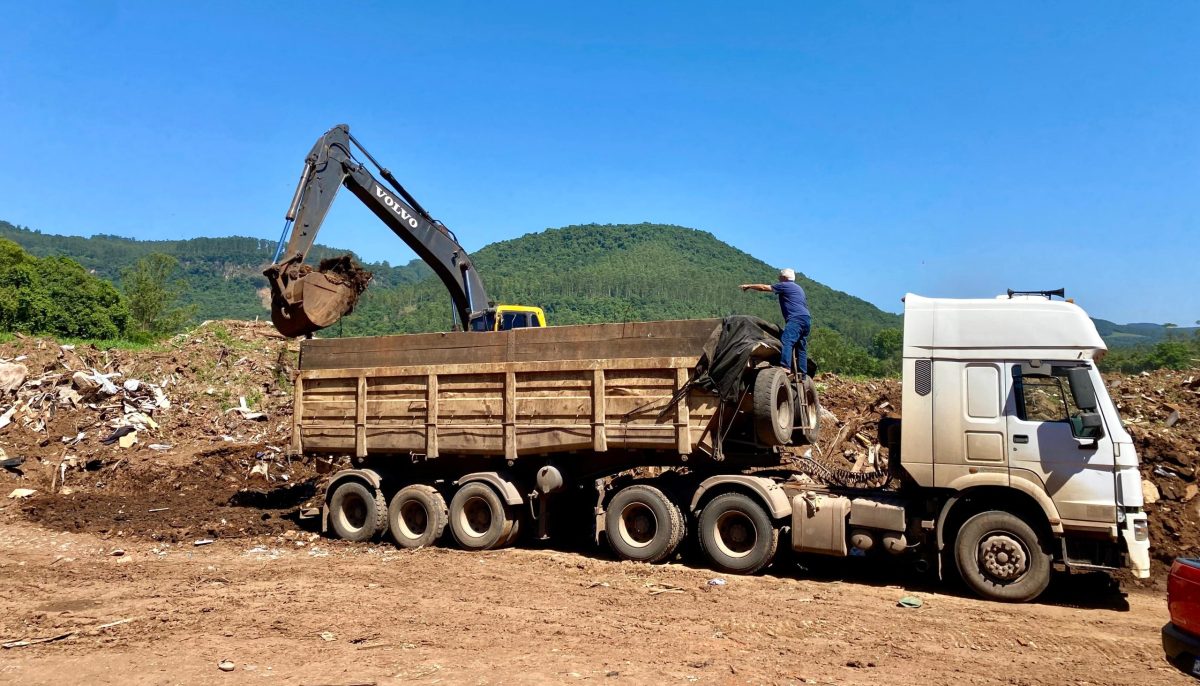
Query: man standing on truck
797, 322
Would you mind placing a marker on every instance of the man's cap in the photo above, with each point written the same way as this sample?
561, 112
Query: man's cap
788, 274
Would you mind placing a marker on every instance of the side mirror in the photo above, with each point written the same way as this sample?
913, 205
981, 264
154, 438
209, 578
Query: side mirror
1082, 390
1090, 425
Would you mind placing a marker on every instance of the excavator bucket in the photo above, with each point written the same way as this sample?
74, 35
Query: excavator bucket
316, 301
304, 301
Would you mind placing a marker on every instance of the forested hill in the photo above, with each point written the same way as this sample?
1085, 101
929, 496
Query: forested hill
599, 273
224, 274
579, 274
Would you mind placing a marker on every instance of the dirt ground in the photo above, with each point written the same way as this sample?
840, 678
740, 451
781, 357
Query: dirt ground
291, 610
211, 416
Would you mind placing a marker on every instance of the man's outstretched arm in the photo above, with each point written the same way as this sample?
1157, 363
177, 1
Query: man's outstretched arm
756, 287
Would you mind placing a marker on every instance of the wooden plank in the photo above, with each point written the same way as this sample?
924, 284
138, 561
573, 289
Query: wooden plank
683, 434
451, 370
431, 416
585, 342
599, 432
510, 415
360, 419
297, 415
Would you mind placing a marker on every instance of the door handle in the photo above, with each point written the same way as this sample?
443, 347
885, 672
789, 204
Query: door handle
1020, 438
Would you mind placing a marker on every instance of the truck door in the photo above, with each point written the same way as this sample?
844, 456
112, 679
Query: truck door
969, 425
1050, 442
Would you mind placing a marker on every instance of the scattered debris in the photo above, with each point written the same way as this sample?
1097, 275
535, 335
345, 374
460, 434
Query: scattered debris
225, 665
12, 376
203, 541
328, 636
716, 582
21, 493
35, 641
910, 601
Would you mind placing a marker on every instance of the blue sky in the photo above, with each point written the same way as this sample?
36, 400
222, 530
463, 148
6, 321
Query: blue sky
947, 149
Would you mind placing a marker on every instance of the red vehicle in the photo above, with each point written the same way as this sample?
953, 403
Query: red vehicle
1181, 637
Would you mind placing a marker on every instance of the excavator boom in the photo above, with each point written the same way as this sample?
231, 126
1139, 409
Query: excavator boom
304, 300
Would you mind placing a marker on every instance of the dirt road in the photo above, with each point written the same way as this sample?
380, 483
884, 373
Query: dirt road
524, 616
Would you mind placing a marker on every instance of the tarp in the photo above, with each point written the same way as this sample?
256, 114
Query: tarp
721, 367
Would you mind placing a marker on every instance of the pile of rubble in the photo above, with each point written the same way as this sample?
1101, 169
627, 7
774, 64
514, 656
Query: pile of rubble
1161, 411
66, 408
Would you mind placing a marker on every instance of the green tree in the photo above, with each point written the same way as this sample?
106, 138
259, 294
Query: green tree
887, 347
154, 288
836, 353
55, 295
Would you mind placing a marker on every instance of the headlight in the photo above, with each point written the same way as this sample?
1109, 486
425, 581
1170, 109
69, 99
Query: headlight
1141, 530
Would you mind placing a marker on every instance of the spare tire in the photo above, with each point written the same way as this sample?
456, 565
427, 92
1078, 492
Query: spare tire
774, 417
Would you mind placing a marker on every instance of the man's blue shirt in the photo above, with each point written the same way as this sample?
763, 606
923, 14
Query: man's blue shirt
792, 300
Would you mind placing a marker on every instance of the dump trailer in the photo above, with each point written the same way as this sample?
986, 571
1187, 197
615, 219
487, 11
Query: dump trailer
1009, 460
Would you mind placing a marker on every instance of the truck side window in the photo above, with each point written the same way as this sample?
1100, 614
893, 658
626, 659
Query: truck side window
1049, 398
1042, 398
514, 320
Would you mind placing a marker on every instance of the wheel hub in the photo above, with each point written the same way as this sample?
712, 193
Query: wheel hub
1003, 557
638, 525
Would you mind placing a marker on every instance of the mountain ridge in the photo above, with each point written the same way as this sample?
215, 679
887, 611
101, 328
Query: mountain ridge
580, 273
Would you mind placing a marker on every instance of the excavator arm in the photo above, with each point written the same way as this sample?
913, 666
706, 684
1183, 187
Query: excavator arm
303, 300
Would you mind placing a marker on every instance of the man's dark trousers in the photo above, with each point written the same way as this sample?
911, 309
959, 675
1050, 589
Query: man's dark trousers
795, 335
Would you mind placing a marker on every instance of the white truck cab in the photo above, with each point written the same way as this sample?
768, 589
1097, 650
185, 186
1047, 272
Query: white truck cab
1010, 392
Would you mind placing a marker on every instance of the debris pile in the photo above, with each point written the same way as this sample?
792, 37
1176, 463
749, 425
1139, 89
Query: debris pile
850, 451
152, 440
1161, 411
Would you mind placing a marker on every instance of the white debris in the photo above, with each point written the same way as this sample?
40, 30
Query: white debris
12, 376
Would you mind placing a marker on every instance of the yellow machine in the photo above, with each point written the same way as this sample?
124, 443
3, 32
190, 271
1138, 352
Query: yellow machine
505, 317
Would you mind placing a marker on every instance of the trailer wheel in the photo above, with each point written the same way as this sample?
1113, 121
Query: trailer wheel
479, 519
643, 524
1000, 557
808, 413
357, 513
773, 413
737, 534
417, 516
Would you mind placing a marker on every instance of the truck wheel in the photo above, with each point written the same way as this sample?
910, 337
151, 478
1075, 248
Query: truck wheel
479, 519
1000, 557
773, 413
736, 534
643, 524
417, 516
808, 414
357, 513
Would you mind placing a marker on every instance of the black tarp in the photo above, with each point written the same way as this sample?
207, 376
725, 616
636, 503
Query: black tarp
721, 367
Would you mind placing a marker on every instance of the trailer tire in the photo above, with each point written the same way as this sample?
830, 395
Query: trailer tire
643, 524
774, 415
356, 512
736, 534
1000, 557
479, 519
417, 516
